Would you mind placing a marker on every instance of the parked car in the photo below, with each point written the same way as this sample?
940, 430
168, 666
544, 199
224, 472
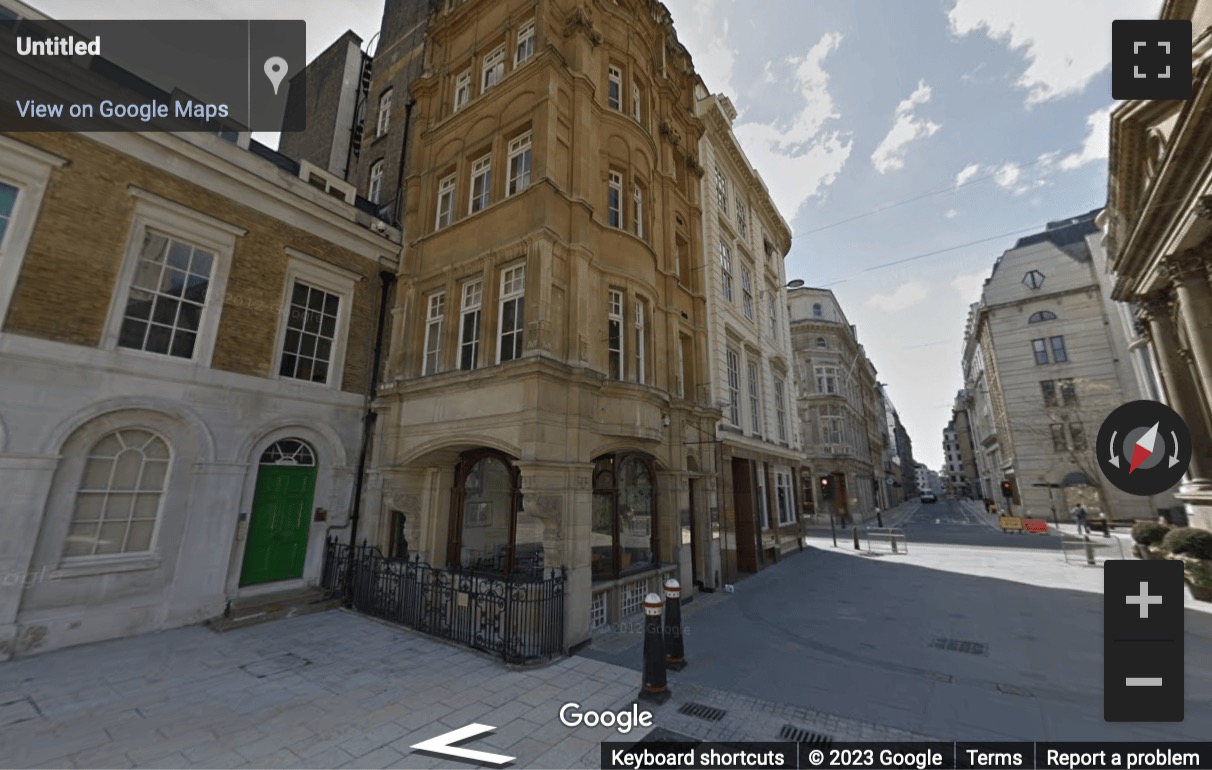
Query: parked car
928, 496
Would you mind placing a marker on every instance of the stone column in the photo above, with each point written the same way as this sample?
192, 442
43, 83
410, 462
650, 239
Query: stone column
1179, 388
1189, 277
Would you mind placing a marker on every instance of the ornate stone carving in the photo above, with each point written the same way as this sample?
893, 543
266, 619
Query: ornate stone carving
670, 133
407, 503
1185, 266
1203, 207
581, 20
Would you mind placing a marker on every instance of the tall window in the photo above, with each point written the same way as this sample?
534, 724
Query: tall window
780, 409
637, 210
614, 88
826, 379
119, 498
624, 521
519, 164
817, 311
525, 48
614, 334
512, 313
1059, 443
774, 316
782, 490
1048, 388
1078, 435
721, 189
614, 199
1068, 392
8, 201
481, 183
433, 332
641, 343
830, 420
167, 297
493, 69
742, 219
384, 113
469, 325
494, 534
681, 370
755, 399
1040, 349
1058, 349
734, 387
311, 330
375, 188
462, 88
747, 292
446, 193
726, 270
683, 257
637, 100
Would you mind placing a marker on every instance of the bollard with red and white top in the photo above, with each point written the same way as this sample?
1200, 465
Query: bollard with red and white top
675, 652
655, 687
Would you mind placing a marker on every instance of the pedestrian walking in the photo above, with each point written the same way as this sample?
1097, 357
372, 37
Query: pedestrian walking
1079, 515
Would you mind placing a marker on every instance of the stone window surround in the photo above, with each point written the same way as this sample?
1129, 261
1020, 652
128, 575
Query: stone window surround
176, 221
304, 268
29, 170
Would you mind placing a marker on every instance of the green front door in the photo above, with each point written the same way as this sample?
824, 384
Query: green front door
277, 533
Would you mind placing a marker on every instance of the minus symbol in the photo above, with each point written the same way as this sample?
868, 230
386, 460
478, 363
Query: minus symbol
1143, 681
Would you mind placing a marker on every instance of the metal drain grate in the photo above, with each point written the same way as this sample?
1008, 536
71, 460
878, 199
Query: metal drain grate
709, 713
802, 735
275, 665
960, 645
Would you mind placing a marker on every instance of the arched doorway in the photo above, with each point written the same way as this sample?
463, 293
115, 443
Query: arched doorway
281, 514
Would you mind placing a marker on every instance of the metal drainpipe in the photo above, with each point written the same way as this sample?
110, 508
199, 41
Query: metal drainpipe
386, 280
395, 215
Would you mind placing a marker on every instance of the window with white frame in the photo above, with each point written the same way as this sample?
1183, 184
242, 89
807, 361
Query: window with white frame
721, 189
637, 210
641, 341
525, 47
435, 312
312, 324
782, 493
826, 379
118, 501
446, 198
614, 88
493, 69
512, 316
614, 199
614, 334
726, 270
755, 399
469, 325
384, 113
375, 188
637, 101
742, 218
462, 89
829, 418
747, 291
519, 165
734, 386
481, 183
168, 295
780, 409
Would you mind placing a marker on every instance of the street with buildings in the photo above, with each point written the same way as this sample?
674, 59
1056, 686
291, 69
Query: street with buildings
395, 427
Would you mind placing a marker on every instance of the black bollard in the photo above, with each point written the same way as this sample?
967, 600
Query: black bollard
655, 688
675, 652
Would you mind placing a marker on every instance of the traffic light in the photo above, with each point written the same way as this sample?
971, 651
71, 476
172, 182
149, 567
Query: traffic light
1007, 489
826, 488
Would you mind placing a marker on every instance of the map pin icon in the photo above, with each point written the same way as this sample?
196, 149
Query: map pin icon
275, 70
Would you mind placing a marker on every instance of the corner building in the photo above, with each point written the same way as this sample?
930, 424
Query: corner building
546, 403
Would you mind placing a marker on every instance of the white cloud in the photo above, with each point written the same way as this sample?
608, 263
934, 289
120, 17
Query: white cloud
702, 26
1095, 146
768, 73
950, 213
1061, 58
798, 158
1007, 175
904, 296
966, 173
969, 285
906, 128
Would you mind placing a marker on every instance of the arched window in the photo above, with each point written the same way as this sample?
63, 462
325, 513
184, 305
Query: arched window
624, 536
118, 500
821, 343
489, 530
288, 451
1041, 315
817, 310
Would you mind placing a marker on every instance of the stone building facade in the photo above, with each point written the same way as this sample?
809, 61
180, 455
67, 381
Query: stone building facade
751, 371
841, 408
186, 328
1159, 244
547, 402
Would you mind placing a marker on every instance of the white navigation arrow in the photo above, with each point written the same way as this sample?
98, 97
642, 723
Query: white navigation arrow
1114, 457
1174, 457
442, 745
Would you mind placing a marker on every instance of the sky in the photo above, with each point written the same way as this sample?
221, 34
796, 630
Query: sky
908, 144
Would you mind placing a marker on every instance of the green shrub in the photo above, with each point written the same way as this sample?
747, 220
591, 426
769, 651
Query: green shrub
1189, 541
1149, 532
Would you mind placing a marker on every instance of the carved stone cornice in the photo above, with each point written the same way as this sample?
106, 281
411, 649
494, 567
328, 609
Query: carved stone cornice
581, 20
1153, 307
1203, 207
1186, 266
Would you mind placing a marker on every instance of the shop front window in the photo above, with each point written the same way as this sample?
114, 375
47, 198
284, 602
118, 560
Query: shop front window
624, 531
491, 533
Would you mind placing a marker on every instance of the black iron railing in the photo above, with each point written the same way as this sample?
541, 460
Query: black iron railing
520, 618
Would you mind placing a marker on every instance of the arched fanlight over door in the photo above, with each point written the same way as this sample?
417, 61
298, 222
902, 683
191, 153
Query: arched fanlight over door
288, 451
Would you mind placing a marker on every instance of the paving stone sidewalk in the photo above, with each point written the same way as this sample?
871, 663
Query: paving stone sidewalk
334, 689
